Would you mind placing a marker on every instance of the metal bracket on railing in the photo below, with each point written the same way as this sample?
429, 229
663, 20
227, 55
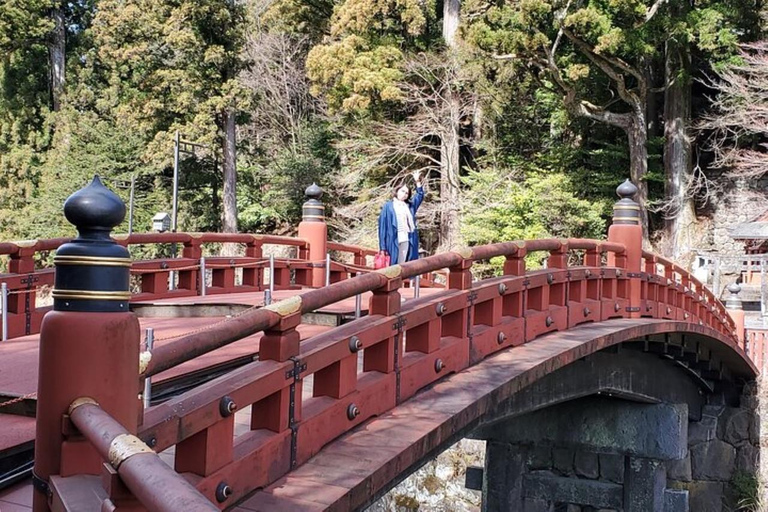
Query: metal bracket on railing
398, 327
295, 372
471, 298
30, 281
41, 485
295, 375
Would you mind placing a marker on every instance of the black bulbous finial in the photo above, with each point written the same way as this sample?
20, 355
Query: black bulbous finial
626, 190
94, 210
313, 209
314, 192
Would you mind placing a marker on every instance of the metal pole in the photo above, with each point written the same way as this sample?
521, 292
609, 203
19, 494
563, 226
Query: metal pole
271, 274
763, 290
327, 269
4, 291
130, 205
416, 286
267, 297
150, 339
175, 181
202, 277
358, 305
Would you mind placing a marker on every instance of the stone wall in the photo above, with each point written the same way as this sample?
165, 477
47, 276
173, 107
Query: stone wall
742, 202
723, 456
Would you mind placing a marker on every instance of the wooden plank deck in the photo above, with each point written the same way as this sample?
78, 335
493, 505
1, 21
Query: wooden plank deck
19, 365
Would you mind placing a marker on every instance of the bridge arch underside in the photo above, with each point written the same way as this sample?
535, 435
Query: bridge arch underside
647, 377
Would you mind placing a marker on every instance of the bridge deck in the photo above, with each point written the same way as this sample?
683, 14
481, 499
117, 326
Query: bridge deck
355, 469
19, 365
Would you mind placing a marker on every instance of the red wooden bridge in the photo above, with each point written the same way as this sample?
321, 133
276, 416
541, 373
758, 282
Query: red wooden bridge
302, 404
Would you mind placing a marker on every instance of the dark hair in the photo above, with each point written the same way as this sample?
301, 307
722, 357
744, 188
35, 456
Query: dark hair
399, 186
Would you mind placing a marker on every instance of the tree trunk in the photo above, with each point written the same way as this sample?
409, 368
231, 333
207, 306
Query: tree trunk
451, 9
450, 165
637, 132
57, 41
230, 173
450, 235
652, 110
678, 162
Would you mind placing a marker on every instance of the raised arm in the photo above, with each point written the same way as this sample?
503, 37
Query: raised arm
419, 197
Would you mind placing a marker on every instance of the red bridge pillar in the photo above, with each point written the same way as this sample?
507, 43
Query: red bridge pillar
89, 343
314, 230
626, 230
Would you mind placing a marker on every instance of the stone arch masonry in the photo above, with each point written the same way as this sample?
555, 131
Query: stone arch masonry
619, 431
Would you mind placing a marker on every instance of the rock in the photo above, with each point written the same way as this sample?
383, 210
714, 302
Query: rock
536, 506
563, 460
702, 431
747, 458
611, 467
679, 469
754, 430
586, 464
703, 496
572, 508
734, 426
426, 490
540, 457
714, 460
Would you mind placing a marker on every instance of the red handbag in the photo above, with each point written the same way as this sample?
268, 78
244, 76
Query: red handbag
381, 260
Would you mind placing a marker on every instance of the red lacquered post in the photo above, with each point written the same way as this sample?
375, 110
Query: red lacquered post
626, 230
314, 230
89, 343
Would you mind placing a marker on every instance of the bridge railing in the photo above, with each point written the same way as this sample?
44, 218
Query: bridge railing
686, 295
174, 277
303, 395
369, 365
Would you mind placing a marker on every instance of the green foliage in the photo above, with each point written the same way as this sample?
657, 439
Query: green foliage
92, 146
164, 65
273, 187
505, 204
353, 74
360, 68
745, 488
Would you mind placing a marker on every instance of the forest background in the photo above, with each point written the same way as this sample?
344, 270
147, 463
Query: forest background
524, 115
